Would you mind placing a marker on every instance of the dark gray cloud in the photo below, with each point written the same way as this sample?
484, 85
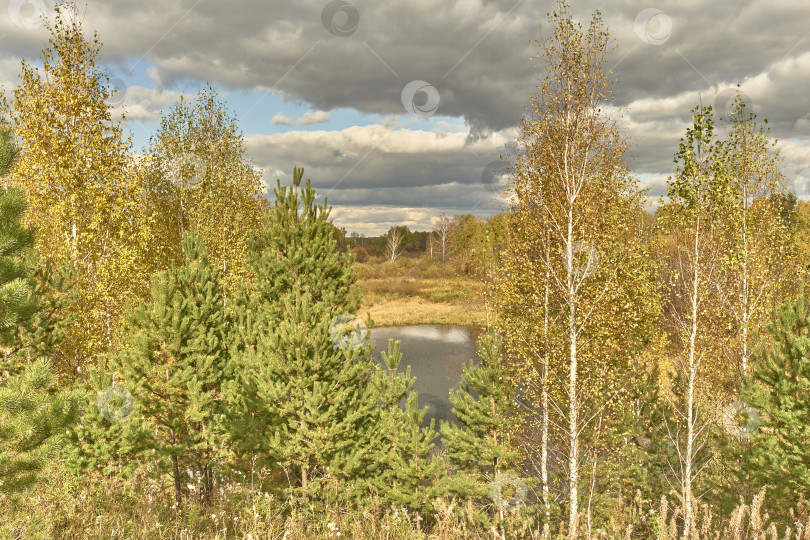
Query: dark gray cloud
477, 55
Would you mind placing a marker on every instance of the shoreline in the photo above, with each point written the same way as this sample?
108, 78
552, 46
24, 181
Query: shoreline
414, 311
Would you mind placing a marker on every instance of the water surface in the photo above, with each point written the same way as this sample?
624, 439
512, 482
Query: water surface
436, 355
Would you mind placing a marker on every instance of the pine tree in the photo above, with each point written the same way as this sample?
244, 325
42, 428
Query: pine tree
17, 301
175, 364
779, 389
104, 439
32, 424
419, 476
8, 149
38, 333
302, 401
480, 447
45, 333
297, 247
32, 417
408, 474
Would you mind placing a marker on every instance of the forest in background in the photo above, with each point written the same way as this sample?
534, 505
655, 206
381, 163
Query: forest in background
183, 358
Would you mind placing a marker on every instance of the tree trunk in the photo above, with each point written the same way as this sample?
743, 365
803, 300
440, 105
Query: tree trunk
690, 397
745, 312
544, 401
176, 467
573, 405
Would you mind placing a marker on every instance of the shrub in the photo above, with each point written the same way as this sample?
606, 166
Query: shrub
360, 254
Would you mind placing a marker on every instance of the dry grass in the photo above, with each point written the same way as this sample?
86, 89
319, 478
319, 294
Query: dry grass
416, 311
95, 507
419, 291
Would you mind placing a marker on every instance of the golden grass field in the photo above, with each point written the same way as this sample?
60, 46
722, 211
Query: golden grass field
418, 292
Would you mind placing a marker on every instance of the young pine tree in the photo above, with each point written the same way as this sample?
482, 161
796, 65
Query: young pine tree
408, 474
45, 333
175, 364
480, 449
779, 389
17, 301
9, 151
301, 401
32, 417
104, 439
32, 424
37, 335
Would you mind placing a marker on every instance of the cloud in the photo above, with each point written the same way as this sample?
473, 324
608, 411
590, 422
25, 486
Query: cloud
376, 166
282, 120
313, 117
307, 119
142, 104
480, 55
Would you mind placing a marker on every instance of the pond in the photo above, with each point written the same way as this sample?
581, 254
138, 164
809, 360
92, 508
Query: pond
436, 355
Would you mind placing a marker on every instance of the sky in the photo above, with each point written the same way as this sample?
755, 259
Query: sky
399, 109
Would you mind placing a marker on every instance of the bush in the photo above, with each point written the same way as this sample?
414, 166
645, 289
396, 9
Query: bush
360, 254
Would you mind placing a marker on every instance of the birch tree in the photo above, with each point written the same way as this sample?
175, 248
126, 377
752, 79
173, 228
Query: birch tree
443, 231
700, 193
761, 263
196, 175
393, 244
74, 169
580, 277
